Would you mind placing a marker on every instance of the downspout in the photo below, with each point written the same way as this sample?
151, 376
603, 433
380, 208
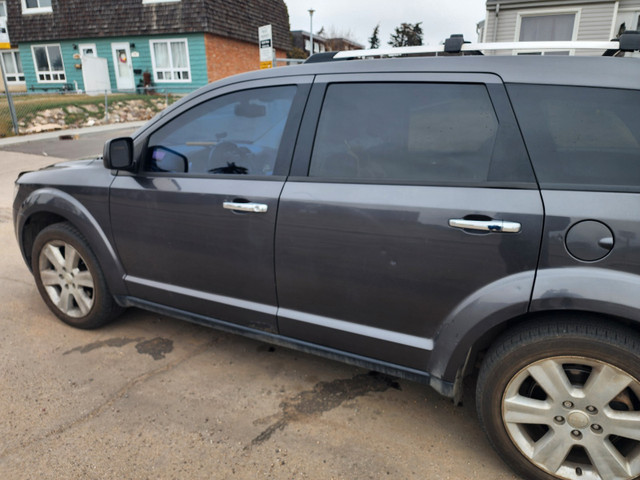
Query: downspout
495, 26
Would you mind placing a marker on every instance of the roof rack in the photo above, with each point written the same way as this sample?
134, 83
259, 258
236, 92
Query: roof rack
456, 45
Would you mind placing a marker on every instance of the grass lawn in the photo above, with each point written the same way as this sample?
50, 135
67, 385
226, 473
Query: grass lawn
29, 106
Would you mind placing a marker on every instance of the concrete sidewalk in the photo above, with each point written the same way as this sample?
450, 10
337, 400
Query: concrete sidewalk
34, 137
72, 144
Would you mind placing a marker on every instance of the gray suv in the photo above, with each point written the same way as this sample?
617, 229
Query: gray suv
429, 218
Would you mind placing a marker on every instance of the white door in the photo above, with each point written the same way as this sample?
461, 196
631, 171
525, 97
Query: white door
95, 74
88, 50
123, 66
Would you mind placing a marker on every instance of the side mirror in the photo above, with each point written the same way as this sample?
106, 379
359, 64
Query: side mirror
118, 153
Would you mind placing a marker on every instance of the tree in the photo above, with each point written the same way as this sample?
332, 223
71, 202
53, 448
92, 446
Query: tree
374, 41
407, 35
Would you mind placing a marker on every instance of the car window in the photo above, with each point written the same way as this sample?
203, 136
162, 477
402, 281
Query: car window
238, 133
405, 131
580, 136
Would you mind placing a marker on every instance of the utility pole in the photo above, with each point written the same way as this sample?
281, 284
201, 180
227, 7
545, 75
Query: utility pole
12, 109
311, 10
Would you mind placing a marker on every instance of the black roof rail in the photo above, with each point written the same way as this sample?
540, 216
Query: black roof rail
322, 57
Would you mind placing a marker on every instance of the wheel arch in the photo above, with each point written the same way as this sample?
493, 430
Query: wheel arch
467, 359
47, 206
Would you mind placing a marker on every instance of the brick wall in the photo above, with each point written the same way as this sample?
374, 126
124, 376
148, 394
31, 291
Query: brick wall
227, 57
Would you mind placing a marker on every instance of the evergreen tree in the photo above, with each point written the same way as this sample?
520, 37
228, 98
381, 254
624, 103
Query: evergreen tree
407, 35
374, 40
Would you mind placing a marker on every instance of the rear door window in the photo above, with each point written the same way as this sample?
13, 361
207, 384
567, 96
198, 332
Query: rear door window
410, 132
581, 137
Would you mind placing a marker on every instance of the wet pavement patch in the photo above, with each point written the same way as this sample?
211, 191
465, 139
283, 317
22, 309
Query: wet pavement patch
111, 342
326, 396
156, 347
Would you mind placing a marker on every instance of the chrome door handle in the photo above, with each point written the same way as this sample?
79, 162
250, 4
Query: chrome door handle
498, 226
246, 207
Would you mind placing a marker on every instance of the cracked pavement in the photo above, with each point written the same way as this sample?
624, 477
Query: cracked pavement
153, 397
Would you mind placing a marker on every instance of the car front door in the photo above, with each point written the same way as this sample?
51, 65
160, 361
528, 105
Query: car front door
411, 200
194, 226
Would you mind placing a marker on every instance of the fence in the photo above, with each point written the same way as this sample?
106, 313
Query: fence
41, 112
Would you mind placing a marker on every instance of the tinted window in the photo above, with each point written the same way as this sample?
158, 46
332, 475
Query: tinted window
237, 133
580, 136
405, 131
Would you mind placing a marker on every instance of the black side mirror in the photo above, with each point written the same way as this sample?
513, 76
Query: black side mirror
118, 153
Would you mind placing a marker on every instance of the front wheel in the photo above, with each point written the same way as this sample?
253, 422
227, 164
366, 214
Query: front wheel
69, 278
561, 400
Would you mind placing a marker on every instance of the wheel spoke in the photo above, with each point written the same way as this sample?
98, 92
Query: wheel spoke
551, 451
520, 409
54, 255
65, 303
552, 378
83, 301
72, 257
607, 459
49, 277
604, 384
623, 424
84, 279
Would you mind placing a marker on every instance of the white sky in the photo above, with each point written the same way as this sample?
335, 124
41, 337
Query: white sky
439, 18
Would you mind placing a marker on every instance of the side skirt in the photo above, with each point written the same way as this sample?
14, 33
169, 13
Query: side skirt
441, 386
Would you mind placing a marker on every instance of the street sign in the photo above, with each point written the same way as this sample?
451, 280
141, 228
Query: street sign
4, 36
265, 40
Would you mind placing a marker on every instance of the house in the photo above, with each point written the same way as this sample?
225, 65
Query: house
124, 44
302, 40
581, 20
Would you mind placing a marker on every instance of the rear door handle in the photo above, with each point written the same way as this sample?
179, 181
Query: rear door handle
246, 207
498, 226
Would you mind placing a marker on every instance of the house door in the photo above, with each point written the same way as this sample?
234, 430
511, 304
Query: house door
88, 50
123, 66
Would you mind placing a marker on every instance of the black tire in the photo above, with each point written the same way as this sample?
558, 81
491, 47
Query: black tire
557, 399
69, 278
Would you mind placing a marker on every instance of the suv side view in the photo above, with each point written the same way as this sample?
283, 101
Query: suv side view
423, 217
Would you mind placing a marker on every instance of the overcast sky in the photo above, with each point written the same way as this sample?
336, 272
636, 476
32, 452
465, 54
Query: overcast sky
440, 18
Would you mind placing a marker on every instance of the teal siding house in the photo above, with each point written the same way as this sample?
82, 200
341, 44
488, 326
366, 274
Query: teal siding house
127, 45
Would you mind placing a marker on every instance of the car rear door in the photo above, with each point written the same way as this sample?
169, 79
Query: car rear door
411, 199
194, 226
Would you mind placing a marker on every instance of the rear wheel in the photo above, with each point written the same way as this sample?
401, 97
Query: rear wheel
562, 400
69, 278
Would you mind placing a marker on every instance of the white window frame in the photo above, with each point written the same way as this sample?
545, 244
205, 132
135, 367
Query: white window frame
29, 11
544, 12
13, 52
49, 72
160, 1
624, 12
168, 41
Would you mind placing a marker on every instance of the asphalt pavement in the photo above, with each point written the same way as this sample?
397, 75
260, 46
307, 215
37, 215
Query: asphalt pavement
152, 397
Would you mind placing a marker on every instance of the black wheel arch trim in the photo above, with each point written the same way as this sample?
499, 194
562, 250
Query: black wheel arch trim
56, 202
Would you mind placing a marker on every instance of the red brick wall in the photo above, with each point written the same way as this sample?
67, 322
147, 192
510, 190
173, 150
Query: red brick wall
227, 57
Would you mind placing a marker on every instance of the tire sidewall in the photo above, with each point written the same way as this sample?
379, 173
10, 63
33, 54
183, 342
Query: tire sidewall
494, 380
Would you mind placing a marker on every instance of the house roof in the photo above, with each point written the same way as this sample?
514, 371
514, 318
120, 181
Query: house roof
75, 19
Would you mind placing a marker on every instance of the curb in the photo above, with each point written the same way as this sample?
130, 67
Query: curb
73, 131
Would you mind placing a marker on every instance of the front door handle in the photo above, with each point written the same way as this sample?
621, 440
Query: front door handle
246, 207
498, 226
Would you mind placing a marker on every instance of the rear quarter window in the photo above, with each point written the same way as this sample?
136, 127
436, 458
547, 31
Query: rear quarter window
581, 137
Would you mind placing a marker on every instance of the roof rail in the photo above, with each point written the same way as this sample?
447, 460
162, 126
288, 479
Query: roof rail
455, 45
